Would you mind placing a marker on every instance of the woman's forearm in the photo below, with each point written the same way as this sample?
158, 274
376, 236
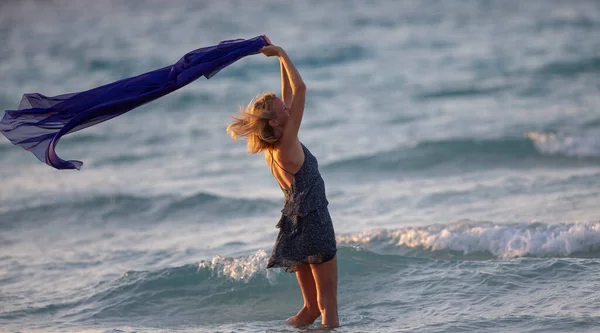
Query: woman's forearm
293, 75
286, 89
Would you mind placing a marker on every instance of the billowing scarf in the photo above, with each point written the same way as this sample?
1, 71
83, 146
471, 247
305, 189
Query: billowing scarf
41, 121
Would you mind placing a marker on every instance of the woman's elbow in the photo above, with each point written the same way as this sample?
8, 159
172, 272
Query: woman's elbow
300, 87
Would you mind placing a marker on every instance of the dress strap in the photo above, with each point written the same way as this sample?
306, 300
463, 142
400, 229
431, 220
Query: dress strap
273, 161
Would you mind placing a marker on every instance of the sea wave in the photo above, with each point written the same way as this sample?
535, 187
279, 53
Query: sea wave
128, 208
582, 144
79, 209
207, 203
465, 154
216, 290
461, 92
571, 68
470, 240
451, 155
240, 289
334, 56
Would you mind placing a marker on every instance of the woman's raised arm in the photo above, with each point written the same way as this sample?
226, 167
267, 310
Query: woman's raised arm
290, 133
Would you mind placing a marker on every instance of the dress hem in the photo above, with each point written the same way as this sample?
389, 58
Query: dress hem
309, 260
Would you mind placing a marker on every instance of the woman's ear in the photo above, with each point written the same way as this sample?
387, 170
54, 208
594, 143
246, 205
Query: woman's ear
273, 123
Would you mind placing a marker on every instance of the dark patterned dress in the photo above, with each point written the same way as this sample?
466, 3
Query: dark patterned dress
306, 234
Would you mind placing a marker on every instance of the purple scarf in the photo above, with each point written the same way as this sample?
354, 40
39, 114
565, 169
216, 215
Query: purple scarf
41, 121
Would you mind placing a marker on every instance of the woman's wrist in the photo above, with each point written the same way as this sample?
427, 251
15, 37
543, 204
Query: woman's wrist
280, 52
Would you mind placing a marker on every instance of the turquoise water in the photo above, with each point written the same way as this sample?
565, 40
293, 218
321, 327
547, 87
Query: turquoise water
459, 141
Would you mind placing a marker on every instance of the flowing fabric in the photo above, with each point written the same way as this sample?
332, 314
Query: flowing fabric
41, 121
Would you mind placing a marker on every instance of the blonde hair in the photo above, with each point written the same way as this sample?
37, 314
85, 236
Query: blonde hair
253, 123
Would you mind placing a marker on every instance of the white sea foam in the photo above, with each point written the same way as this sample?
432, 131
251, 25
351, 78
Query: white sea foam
582, 144
242, 268
501, 240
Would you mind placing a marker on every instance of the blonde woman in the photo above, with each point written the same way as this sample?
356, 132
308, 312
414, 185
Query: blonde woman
306, 241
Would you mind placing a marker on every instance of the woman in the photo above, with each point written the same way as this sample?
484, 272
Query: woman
306, 241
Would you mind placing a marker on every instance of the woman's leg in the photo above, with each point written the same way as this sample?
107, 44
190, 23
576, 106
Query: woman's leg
326, 276
310, 311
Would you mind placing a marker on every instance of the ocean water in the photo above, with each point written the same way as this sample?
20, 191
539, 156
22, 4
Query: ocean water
459, 142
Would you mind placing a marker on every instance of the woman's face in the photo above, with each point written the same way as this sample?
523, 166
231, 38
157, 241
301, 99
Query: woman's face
282, 112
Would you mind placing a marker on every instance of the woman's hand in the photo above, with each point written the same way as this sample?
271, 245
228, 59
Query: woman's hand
271, 50
268, 40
